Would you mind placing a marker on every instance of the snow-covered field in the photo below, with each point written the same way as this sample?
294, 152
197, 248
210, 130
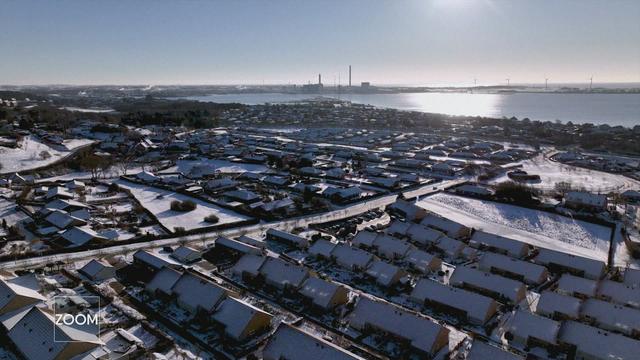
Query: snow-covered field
552, 172
28, 154
158, 201
538, 228
223, 166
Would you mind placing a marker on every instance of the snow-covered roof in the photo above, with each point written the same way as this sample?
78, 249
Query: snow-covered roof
94, 267
287, 237
483, 351
79, 236
420, 331
62, 220
18, 292
291, 343
321, 248
197, 292
249, 264
58, 192
570, 285
612, 316
236, 316
448, 226
398, 227
525, 325
163, 280
242, 195
450, 247
252, 241
282, 273
391, 247
593, 269
619, 293
237, 246
365, 238
40, 325
349, 257
422, 260
384, 273
509, 246
151, 260
531, 273
594, 343
478, 308
321, 292
185, 254
423, 235
508, 288
275, 180
551, 302
409, 210
146, 176
64, 204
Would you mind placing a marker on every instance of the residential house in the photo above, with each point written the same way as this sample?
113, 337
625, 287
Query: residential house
447, 226
423, 335
467, 305
530, 330
18, 293
98, 270
520, 270
323, 294
499, 244
289, 342
241, 320
495, 286
558, 306
576, 286
288, 238
557, 261
588, 342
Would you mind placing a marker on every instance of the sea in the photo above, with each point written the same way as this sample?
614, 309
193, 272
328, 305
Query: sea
595, 108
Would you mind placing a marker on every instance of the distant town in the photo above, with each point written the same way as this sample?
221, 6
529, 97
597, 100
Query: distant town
316, 229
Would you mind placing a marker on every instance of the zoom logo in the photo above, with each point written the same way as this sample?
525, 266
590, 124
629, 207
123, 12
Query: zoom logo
76, 318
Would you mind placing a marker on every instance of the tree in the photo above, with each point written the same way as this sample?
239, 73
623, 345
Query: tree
124, 164
94, 164
563, 187
517, 193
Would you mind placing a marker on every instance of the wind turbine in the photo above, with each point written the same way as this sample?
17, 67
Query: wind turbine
591, 83
546, 81
508, 81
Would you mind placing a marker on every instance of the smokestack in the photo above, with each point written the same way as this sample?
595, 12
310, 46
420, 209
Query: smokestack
349, 75
319, 79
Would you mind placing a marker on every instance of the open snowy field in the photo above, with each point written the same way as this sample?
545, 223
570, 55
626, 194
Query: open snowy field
30, 154
538, 228
158, 201
223, 166
552, 172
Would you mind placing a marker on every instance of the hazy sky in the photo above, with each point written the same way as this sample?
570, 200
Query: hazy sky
251, 42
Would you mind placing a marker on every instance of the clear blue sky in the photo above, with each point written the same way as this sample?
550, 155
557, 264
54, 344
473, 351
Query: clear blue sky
251, 42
